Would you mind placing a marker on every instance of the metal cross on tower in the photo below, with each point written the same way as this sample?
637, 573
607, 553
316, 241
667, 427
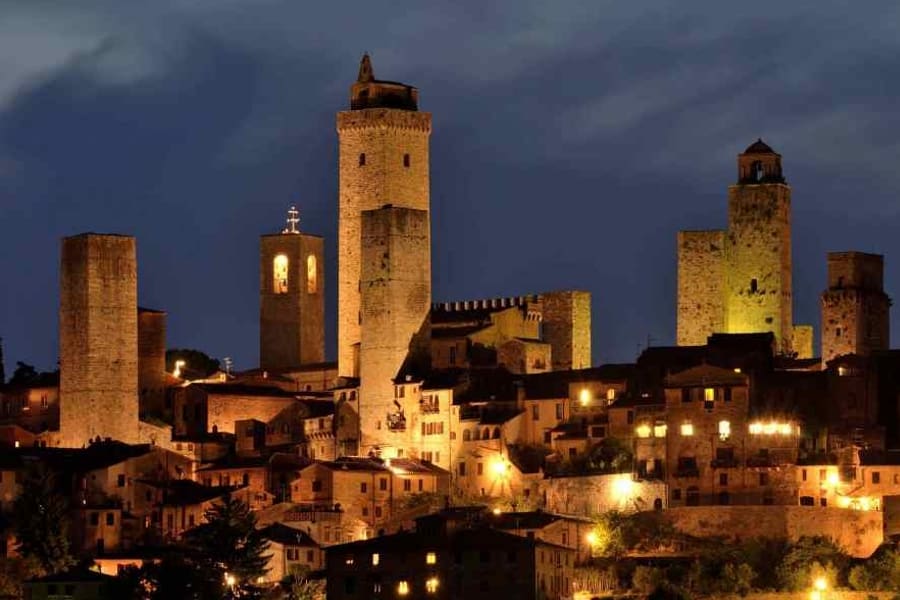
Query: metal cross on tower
293, 219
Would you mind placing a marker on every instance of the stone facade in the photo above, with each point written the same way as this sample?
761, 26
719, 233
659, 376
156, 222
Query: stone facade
802, 341
383, 159
855, 309
751, 269
151, 361
566, 326
395, 280
291, 301
701, 277
858, 533
98, 339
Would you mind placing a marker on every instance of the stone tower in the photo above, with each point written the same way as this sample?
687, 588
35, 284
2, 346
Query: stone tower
566, 326
151, 362
395, 289
739, 280
855, 309
758, 248
98, 339
291, 299
383, 159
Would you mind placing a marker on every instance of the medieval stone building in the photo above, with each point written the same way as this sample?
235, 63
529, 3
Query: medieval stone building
739, 280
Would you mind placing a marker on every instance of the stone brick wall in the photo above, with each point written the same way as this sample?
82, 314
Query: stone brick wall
802, 341
396, 298
758, 261
590, 495
98, 339
855, 309
384, 137
151, 361
292, 324
566, 326
701, 276
859, 533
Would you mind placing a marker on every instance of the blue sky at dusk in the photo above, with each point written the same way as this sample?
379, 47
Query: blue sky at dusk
571, 141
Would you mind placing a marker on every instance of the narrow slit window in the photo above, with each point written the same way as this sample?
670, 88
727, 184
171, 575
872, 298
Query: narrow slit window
362, 159
406, 160
753, 286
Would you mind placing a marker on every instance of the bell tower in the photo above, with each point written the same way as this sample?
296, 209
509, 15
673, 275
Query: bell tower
758, 290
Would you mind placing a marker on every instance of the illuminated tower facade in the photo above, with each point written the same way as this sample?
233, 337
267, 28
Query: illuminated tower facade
98, 339
291, 298
383, 160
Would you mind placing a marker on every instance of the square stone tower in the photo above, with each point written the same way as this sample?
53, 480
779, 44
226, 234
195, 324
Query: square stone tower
395, 289
383, 159
855, 309
758, 294
98, 339
152, 362
739, 280
566, 326
291, 299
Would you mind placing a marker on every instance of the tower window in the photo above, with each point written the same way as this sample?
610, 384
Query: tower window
280, 274
753, 286
312, 281
406, 160
837, 332
362, 159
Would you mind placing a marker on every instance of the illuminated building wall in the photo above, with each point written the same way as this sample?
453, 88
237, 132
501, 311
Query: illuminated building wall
739, 280
383, 160
291, 301
98, 339
855, 309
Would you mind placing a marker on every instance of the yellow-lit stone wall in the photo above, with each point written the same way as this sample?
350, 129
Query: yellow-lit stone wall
701, 277
758, 261
566, 326
98, 339
802, 341
292, 322
383, 159
855, 309
395, 283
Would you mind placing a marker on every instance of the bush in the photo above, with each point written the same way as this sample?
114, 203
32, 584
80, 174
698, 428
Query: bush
647, 579
809, 558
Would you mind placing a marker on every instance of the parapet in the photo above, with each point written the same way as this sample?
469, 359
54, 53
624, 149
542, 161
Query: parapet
530, 303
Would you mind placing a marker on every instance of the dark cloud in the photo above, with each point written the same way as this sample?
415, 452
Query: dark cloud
572, 140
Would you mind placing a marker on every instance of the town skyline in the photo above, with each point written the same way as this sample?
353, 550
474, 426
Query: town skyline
250, 157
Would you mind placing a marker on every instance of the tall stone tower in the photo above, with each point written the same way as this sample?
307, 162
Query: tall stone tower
855, 309
566, 326
383, 159
758, 248
152, 362
98, 339
739, 280
291, 298
395, 302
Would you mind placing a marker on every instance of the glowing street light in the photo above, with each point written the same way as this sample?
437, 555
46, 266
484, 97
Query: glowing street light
622, 487
499, 467
230, 580
584, 396
592, 538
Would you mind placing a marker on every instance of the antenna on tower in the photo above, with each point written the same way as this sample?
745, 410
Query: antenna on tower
293, 219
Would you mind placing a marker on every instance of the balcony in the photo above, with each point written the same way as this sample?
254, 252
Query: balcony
429, 408
760, 462
687, 471
724, 463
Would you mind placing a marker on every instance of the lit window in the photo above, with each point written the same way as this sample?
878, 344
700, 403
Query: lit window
280, 274
610, 394
785, 429
659, 430
643, 431
431, 585
430, 558
687, 429
312, 280
375, 559
756, 428
584, 396
724, 429
403, 588
709, 394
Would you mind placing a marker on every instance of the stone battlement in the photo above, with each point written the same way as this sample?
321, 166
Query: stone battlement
489, 304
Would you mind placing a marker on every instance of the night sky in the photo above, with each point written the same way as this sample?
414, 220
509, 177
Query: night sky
571, 141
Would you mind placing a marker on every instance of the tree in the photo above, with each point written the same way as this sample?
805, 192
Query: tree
24, 373
881, 572
194, 360
41, 522
13, 573
301, 587
230, 543
808, 558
